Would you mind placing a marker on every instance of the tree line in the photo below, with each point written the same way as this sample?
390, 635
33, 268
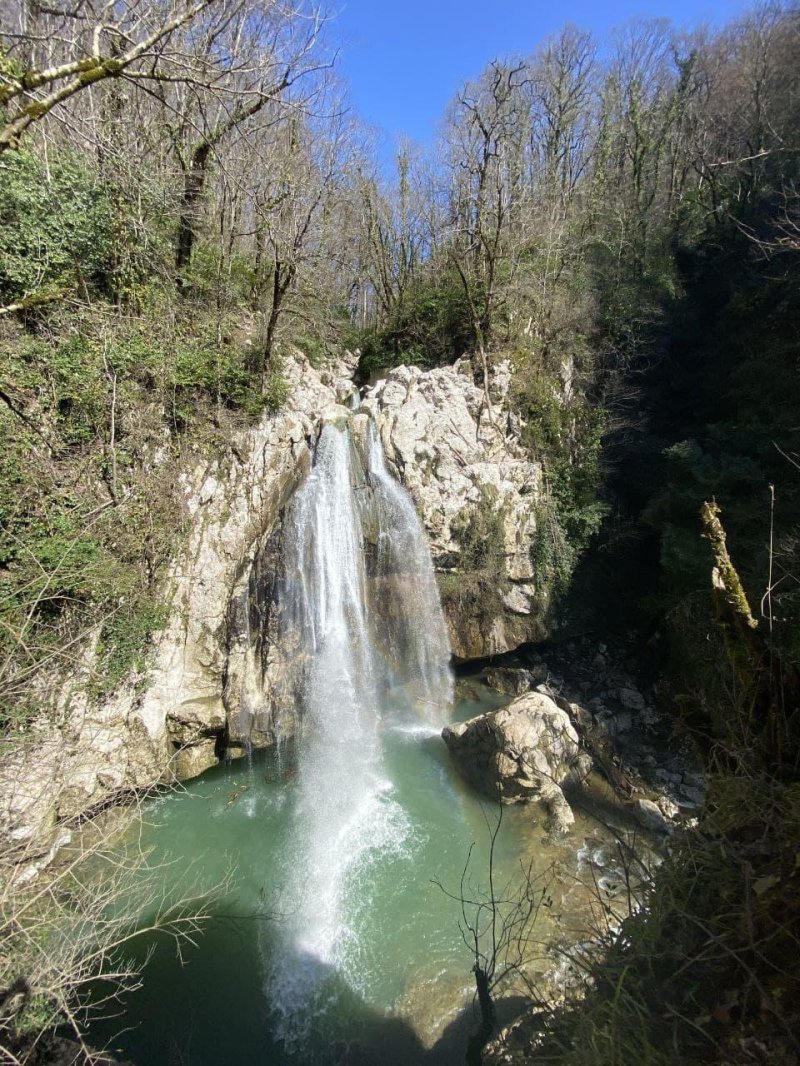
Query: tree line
557, 188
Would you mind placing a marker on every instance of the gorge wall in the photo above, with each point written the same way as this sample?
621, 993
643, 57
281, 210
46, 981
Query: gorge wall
456, 457
219, 679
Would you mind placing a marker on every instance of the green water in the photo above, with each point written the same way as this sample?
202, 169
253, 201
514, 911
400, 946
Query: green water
406, 994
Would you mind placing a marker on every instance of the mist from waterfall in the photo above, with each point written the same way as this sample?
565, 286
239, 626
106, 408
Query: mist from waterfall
353, 657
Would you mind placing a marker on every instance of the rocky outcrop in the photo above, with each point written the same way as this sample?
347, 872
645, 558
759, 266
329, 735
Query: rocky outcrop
526, 751
68, 766
218, 679
209, 669
455, 456
169, 721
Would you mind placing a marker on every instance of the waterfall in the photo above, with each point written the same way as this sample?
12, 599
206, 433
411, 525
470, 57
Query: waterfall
352, 655
412, 614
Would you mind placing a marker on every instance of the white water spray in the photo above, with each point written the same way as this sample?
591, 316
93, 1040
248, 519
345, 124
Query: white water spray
351, 656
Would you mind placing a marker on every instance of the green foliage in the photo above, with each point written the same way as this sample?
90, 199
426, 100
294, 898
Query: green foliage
124, 640
313, 348
39, 1014
276, 390
564, 433
87, 523
227, 280
430, 327
55, 225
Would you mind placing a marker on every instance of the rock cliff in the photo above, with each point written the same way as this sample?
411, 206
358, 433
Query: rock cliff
456, 456
172, 721
219, 680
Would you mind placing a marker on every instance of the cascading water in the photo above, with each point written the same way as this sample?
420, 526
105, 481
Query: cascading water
412, 618
353, 655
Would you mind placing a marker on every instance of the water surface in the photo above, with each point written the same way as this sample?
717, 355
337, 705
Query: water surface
400, 988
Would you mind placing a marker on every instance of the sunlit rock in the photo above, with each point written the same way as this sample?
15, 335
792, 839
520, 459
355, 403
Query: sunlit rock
526, 751
453, 455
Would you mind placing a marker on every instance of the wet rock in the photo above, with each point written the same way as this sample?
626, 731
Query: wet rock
667, 776
511, 679
695, 796
452, 456
649, 815
470, 688
629, 697
621, 723
694, 780
528, 750
195, 759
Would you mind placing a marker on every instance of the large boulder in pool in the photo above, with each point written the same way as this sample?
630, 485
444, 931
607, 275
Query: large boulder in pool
526, 751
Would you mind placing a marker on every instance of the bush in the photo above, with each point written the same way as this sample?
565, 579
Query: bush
430, 327
565, 434
55, 225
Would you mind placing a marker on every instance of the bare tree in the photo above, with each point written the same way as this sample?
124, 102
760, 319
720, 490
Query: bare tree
497, 925
68, 934
52, 55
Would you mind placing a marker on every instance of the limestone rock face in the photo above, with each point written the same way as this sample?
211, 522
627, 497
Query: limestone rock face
447, 449
73, 762
217, 675
525, 751
166, 722
199, 684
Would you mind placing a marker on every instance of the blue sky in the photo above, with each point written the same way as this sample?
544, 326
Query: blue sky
405, 59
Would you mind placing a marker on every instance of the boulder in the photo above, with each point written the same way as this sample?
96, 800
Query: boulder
526, 751
195, 759
649, 815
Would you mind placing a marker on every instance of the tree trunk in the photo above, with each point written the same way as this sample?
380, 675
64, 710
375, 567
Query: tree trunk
193, 182
480, 1037
280, 286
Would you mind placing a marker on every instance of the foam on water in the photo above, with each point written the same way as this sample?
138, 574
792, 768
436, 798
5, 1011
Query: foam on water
422, 731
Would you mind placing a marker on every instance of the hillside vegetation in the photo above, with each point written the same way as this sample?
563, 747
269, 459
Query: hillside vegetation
184, 194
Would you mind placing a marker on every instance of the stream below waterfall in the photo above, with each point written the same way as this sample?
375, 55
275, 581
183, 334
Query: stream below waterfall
400, 990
